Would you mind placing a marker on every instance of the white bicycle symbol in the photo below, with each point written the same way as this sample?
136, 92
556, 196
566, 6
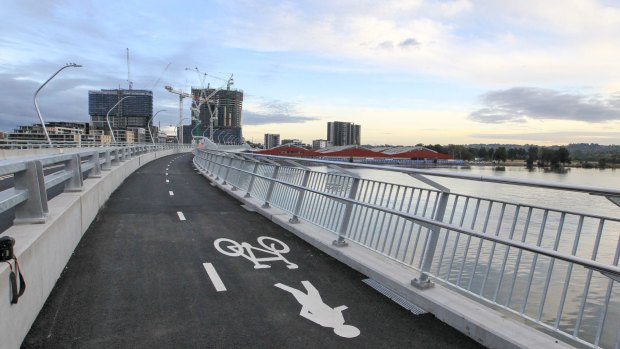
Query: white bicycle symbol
271, 246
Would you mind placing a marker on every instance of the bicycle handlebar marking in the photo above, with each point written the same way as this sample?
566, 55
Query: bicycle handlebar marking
271, 246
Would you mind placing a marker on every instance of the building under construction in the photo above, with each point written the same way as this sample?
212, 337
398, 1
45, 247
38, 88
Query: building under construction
226, 107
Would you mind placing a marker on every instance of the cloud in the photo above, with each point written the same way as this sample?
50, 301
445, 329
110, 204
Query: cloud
518, 104
254, 118
272, 111
409, 42
386, 45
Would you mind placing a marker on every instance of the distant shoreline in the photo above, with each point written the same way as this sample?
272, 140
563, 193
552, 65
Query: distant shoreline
521, 163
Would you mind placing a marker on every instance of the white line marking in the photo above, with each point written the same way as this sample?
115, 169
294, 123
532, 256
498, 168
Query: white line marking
171, 193
181, 215
215, 278
166, 173
167, 181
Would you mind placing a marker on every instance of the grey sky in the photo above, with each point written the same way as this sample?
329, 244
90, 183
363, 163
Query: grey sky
517, 104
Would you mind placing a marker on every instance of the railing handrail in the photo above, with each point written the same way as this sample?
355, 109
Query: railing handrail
341, 203
431, 222
492, 179
28, 192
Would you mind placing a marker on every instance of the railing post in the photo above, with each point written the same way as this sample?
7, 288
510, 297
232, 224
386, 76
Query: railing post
107, 165
237, 168
116, 159
219, 164
346, 217
95, 172
300, 198
211, 167
274, 175
230, 160
76, 182
423, 281
247, 194
34, 209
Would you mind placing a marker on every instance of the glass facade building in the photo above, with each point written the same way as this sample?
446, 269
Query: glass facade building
130, 113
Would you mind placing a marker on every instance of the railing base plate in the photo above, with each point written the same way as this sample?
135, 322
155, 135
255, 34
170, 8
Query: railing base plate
422, 285
340, 243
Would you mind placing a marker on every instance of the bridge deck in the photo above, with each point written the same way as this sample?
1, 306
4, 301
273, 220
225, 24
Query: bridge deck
138, 279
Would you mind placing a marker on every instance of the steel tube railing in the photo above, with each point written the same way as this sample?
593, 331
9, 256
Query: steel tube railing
398, 222
28, 194
523, 246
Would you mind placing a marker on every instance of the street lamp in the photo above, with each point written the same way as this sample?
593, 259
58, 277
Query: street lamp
177, 129
192, 132
107, 117
148, 124
36, 105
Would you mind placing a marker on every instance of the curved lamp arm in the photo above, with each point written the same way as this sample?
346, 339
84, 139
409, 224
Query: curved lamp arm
36, 105
107, 117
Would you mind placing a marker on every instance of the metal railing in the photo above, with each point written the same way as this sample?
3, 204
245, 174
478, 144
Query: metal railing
516, 257
34, 175
42, 144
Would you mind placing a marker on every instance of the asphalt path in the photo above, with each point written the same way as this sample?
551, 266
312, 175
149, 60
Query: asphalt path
148, 274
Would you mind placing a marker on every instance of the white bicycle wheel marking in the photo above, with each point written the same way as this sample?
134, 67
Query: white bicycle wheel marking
270, 246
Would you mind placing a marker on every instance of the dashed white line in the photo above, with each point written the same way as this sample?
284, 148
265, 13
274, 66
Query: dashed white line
171, 193
167, 181
181, 215
166, 173
215, 278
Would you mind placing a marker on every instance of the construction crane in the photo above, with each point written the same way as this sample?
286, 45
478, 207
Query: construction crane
182, 94
129, 71
229, 82
203, 98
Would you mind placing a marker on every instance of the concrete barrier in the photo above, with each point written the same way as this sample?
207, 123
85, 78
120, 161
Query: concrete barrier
481, 323
43, 250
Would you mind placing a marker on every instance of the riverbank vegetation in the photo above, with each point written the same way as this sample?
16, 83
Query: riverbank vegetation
552, 157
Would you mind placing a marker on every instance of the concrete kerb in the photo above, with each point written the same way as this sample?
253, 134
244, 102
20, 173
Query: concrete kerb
43, 250
485, 325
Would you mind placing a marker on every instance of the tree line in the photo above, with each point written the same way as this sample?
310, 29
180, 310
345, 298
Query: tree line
533, 155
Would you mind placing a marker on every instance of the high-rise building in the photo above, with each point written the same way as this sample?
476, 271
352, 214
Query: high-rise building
229, 104
271, 140
134, 112
226, 107
343, 133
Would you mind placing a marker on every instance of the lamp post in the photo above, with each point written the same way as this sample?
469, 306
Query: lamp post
107, 117
177, 130
148, 124
192, 132
36, 105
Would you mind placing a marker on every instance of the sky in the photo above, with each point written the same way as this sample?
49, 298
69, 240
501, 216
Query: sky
408, 71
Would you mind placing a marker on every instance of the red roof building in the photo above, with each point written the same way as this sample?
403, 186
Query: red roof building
290, 150
355, 153
421, 154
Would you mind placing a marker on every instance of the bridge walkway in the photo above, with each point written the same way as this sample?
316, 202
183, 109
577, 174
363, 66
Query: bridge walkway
139, 279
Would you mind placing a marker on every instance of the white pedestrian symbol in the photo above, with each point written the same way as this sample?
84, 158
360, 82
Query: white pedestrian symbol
313, 309
273, 247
